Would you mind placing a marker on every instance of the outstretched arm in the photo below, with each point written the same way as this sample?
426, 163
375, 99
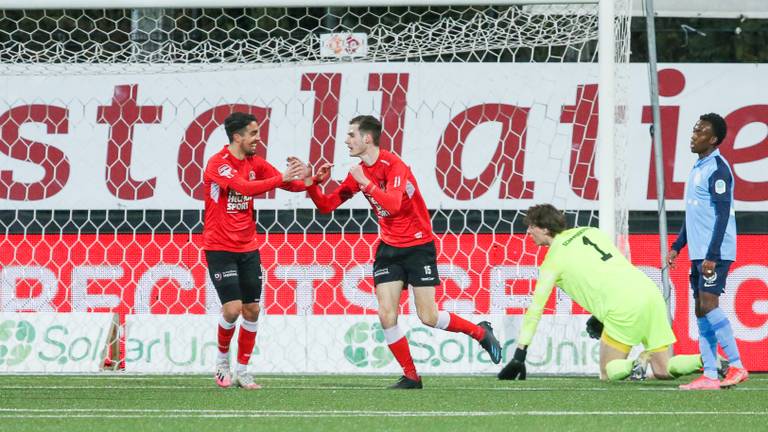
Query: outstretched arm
226, 176
516, 369
327, 203
291, 179
255, 187
544, 286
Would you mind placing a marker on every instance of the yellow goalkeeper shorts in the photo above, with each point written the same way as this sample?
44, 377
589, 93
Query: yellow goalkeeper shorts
645, 324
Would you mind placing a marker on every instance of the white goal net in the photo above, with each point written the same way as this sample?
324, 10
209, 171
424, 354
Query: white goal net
107, 117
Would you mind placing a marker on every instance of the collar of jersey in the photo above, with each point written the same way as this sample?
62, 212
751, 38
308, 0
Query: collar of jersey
708, 157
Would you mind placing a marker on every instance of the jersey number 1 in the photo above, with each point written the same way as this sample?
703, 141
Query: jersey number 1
603, 256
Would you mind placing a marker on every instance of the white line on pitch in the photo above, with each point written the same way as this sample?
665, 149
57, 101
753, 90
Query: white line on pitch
290, 387
185, 413
286, 378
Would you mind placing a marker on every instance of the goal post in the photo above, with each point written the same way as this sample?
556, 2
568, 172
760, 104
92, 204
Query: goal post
108, 115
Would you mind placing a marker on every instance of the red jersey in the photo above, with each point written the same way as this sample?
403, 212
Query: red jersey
230, 185
393, 195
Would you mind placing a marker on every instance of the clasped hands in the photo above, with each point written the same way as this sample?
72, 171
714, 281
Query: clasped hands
298, 170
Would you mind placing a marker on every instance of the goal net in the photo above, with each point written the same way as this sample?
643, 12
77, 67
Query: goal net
107, 117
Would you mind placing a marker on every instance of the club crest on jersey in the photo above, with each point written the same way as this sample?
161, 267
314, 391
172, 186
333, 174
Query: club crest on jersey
251, 176
226, 171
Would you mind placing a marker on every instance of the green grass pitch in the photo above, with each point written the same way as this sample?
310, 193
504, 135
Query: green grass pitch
361, 403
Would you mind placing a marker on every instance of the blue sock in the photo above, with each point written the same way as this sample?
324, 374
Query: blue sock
722, 328
708, 348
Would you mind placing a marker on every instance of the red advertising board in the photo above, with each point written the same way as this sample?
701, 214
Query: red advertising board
329, 274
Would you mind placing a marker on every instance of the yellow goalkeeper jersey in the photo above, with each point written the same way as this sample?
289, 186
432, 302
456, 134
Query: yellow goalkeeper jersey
586, 265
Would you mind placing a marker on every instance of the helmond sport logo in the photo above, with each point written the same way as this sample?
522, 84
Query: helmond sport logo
15, 342
365, 345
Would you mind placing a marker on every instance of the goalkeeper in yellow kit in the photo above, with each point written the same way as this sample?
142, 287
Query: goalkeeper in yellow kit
586, 265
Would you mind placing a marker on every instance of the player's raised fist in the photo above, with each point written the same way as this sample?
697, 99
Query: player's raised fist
357, 173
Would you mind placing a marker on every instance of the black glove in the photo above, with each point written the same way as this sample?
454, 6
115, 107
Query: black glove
594, 327
515, 369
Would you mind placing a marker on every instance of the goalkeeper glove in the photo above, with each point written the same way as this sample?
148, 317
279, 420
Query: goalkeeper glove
594, 327
515, 369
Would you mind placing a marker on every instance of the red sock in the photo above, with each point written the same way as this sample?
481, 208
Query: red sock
459, 324
402, 354
245, 341
225, 337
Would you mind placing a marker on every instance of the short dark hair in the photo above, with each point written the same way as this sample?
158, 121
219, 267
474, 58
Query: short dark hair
368, 125
546, 216
719, 128
236, 122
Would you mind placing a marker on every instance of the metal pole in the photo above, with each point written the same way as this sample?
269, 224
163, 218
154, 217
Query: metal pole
607, 118
653, 79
